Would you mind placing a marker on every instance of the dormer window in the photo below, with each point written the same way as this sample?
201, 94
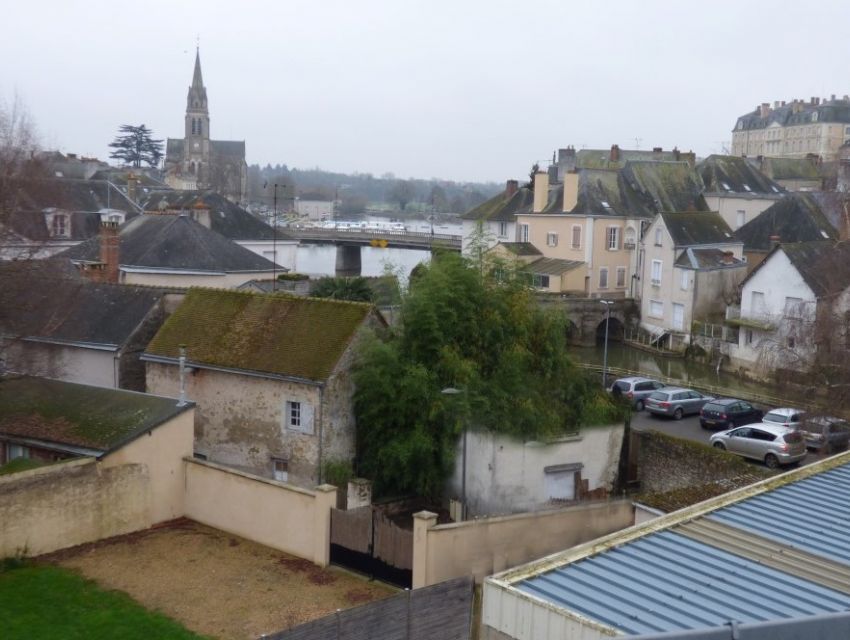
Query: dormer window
59, 225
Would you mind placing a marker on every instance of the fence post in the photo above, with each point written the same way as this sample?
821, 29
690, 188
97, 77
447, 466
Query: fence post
324, 501
422, 521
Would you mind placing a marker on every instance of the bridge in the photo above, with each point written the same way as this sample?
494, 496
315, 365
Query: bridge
376, 238
586, 316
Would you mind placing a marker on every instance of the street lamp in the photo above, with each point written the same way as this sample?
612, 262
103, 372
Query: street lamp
607, 304
451, 391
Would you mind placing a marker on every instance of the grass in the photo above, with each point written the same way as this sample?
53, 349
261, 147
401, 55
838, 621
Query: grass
53, 603
20, 464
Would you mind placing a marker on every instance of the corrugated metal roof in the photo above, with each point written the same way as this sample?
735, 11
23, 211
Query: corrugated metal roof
812, 514
666, 582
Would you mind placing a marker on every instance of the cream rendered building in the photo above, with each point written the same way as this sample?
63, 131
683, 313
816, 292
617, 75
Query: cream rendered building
794, 129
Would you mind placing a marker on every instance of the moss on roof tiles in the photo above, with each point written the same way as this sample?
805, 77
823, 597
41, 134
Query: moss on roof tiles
77, 414
276, 334
500, 207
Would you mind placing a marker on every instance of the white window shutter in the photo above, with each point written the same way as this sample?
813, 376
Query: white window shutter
306, 417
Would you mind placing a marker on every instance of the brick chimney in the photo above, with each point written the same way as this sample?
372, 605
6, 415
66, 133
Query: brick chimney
511, 187
614, 156
109, 249
132, 184
728, 257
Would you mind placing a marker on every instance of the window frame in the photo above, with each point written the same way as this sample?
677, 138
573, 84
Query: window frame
603, 271
656, 282
573, 243
651, 311
621, 271
551, 239
612, 238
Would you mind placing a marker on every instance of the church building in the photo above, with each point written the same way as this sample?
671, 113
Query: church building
195, 161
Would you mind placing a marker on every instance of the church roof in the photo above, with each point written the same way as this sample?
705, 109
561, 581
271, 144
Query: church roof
228, 148
173, 242
197, 78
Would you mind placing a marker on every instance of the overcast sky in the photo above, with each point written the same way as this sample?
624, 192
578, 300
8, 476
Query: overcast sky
462, 89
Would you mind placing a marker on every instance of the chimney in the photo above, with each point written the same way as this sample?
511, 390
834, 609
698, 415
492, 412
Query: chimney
553, 173
728, 257
109, 248
832, 98
132, 183
511, 188
774, 241
656, 153
570, 191
541, 191
764, 110
676, 154
201, 213
614, 156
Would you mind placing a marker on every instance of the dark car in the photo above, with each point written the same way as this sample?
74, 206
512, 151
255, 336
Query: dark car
725, 413
826, 434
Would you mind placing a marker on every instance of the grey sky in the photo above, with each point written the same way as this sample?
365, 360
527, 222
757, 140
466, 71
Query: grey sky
463, 90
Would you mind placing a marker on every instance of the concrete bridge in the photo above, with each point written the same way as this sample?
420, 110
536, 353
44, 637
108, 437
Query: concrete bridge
586, 317
350, 241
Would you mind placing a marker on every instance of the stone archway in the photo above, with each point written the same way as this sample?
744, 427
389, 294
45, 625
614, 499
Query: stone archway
616, 330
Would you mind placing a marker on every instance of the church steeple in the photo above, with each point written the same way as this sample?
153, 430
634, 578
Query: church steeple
197, 114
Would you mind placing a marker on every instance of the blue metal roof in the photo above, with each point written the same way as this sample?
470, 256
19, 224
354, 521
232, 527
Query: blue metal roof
666, 582
812, 514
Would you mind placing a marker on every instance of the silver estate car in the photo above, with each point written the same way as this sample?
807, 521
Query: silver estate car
785, 416
675, 402
634, 390
775, 445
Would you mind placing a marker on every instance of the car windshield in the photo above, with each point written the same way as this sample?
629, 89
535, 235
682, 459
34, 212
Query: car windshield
658, 395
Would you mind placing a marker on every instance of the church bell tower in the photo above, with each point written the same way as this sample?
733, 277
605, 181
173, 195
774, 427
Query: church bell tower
196, 146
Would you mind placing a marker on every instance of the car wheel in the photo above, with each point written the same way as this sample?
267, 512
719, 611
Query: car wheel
720, 445
678, 413
771, 461
639, 405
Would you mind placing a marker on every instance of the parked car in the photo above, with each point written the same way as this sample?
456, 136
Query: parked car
775, 445
675, 402
635, 390
825, 433
785, 416
725, 413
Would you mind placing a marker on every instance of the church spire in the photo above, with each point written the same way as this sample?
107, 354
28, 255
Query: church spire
197, 79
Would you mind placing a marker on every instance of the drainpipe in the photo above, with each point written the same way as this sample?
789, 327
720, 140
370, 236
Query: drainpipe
182, 401
321, 413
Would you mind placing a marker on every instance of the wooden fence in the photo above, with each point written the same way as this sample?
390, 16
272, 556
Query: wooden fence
440, 612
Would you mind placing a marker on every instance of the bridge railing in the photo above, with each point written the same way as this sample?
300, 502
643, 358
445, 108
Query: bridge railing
371, 233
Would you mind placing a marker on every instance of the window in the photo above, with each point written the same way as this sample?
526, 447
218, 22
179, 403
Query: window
551, 239
523, 233
280, 469
603, 277
540, 281
791, 342
576, 241
503, 229
613, 238
299, 416
14, 451
560, 481
655, 275
621, 277
199, 126
757, 301
685, 278
59, 226
748, 336
193, 126
793, 307
658, 235
741, 218
656, 309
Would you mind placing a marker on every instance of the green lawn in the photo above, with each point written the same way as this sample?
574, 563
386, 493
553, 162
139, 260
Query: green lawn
52, 603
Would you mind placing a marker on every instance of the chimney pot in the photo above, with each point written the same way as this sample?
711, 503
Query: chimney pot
614, 156
511, 187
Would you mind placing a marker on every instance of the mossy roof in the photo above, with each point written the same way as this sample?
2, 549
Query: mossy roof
501, 208
733, 174
269, 333
791, 169
521, 248
700, 228
676, 499
79, 415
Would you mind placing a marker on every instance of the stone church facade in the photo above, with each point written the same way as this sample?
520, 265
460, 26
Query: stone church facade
195, 161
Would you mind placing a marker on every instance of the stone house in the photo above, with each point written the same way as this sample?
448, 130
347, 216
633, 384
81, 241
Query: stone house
494, 220
546, 275
736, 189
76, 330
271, 375
793, 306
691, 262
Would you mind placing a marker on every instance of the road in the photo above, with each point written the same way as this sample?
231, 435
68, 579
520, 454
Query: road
689, 429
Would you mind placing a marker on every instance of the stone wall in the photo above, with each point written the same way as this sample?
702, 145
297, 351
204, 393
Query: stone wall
665, 463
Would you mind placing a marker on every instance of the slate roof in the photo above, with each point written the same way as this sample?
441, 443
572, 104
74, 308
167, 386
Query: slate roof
552, 266
173, 242
789, 168
82, 199
706, 259
670, 186
726, 175
226, 218
72, 311
229, 148
500, 208
825, 266
795, 218
521, 248
79, 415
827, 111
599, 191
694, 229
601, 158
279, 334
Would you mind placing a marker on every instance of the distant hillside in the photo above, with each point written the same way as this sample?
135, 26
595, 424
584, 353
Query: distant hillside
360, 191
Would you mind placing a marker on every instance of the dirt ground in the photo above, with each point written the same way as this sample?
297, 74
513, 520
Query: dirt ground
218, 584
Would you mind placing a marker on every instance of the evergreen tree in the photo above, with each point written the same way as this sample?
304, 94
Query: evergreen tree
134, 145
355, 289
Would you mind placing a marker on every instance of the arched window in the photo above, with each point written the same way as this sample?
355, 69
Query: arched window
193, 126
199, 126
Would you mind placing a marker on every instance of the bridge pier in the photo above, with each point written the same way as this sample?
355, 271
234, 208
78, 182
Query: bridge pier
348, 260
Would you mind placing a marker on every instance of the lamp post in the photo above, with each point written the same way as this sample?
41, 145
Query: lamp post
451, 391
607, 304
